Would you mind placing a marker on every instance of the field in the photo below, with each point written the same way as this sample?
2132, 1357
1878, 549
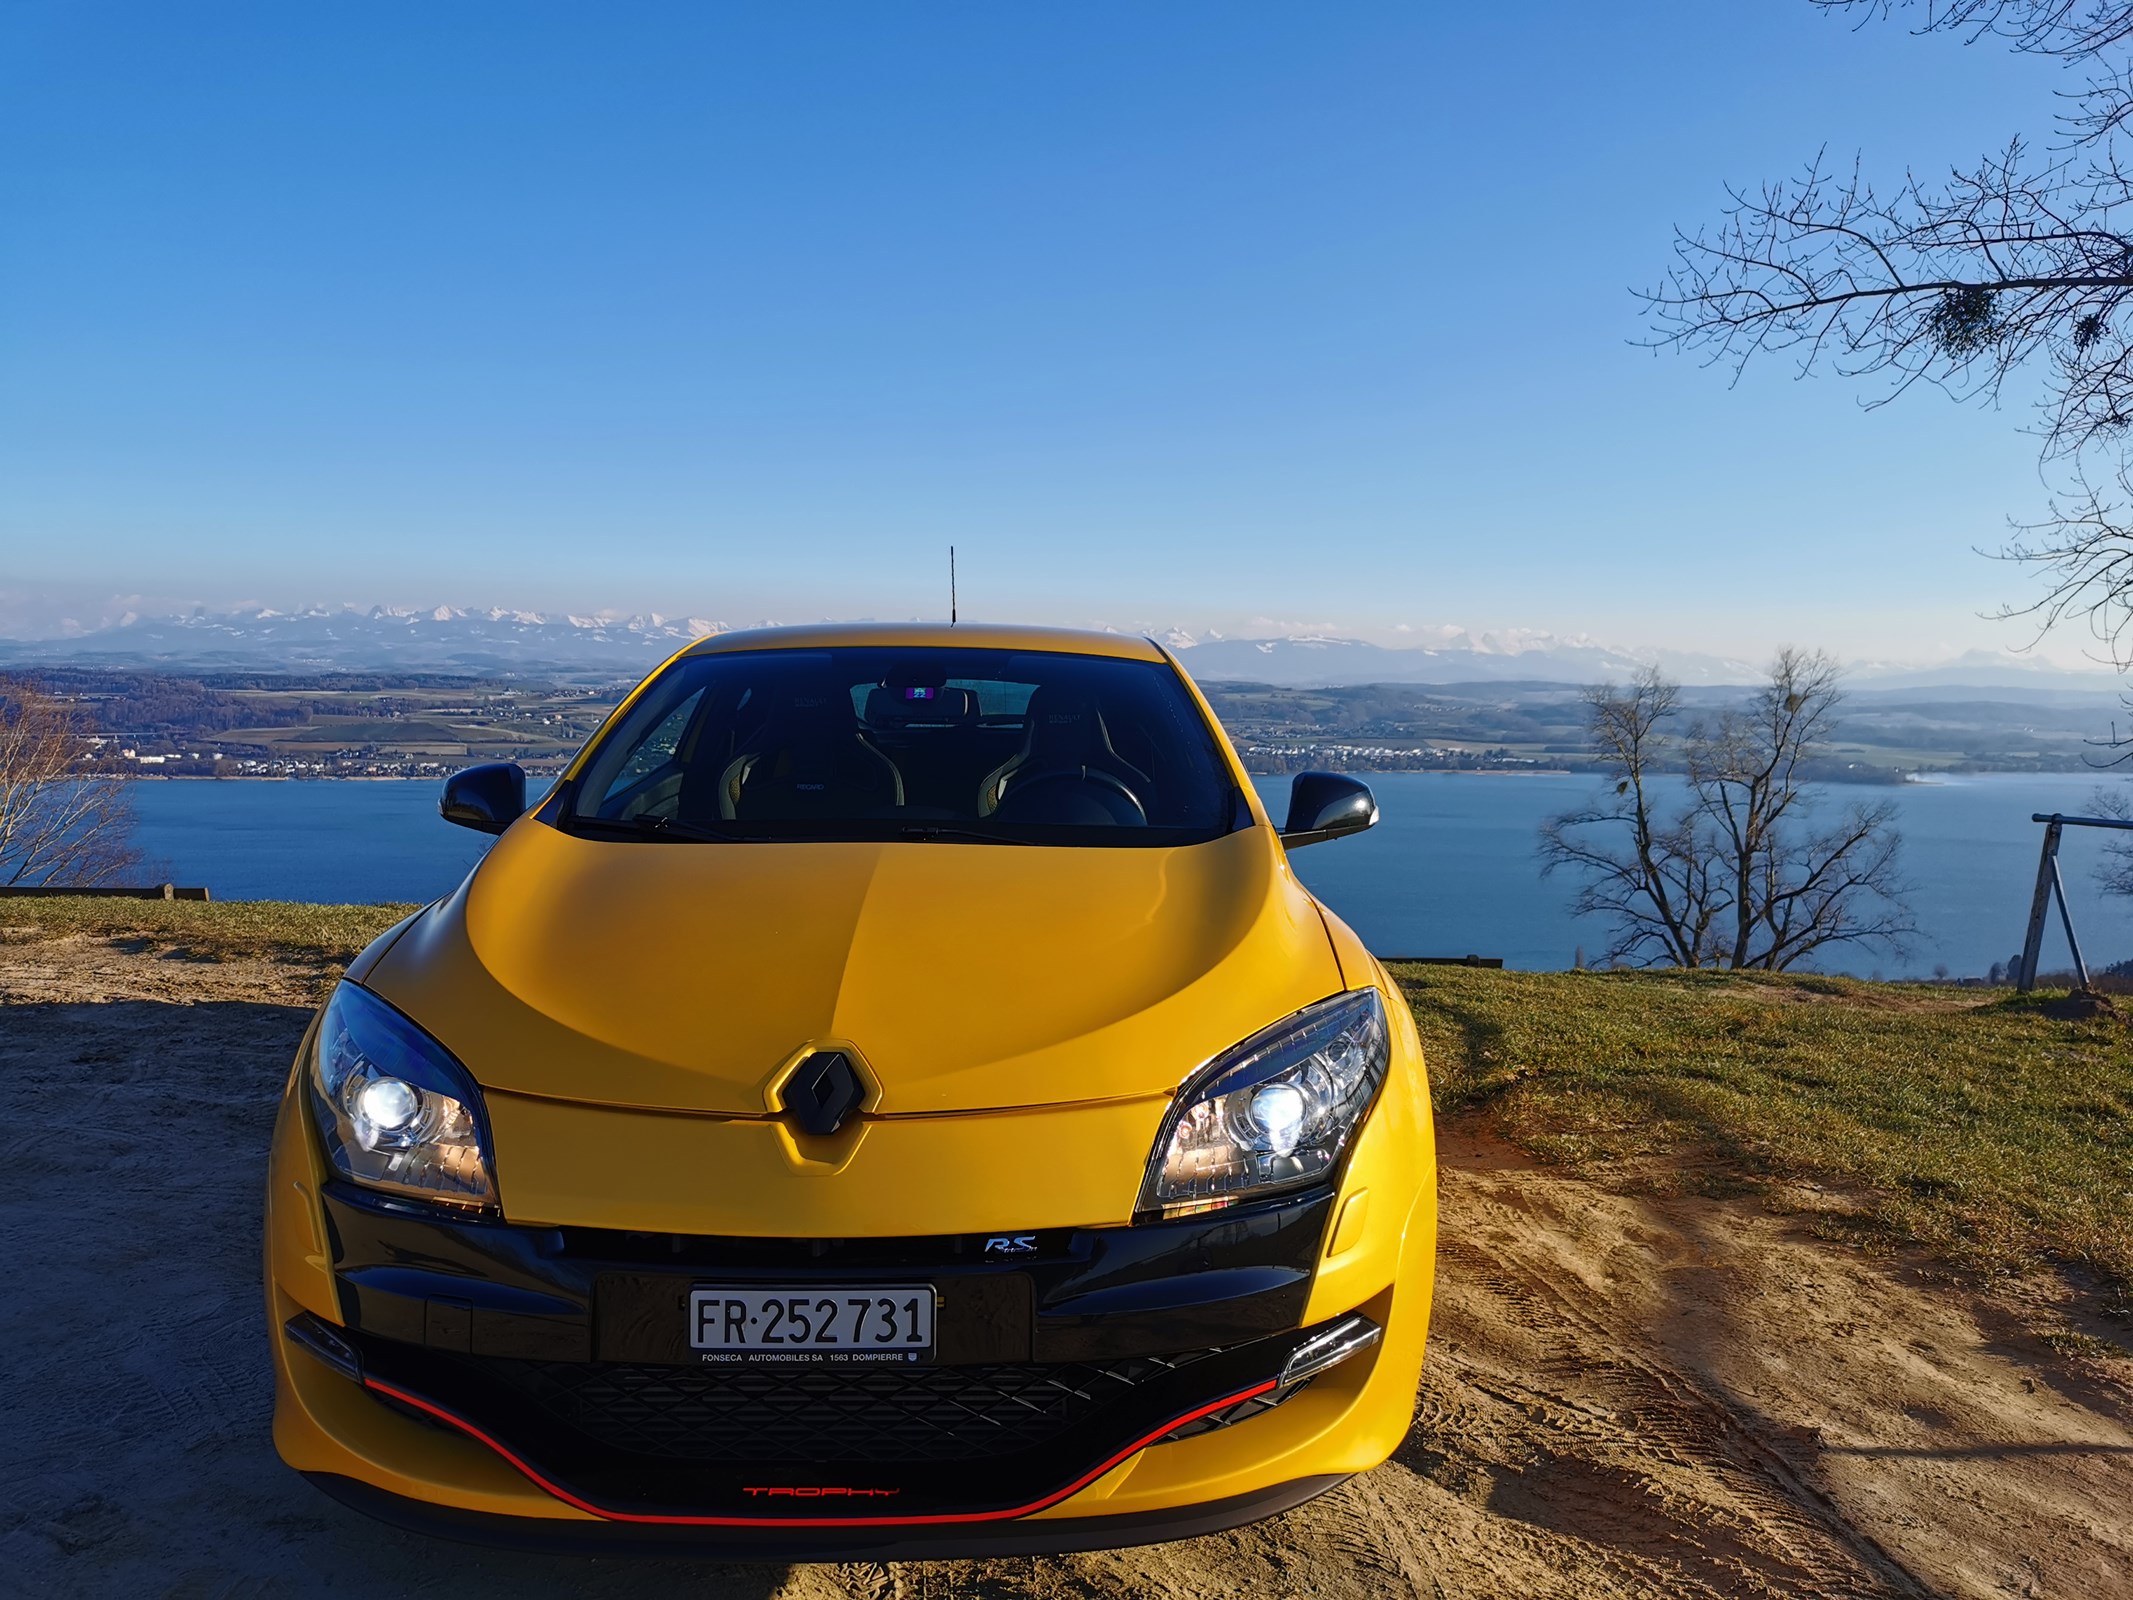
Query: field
348, 724
1747, 1287
1972, 1121
1881, 734
534, 724
367, 724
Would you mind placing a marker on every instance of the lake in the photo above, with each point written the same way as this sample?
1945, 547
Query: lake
1450, 870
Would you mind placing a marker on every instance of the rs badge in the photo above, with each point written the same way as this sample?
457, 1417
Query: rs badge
1011, 1244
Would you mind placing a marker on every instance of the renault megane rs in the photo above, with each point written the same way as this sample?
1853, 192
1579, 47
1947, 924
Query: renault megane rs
892, 1096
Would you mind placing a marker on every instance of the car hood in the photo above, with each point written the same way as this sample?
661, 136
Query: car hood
965, 977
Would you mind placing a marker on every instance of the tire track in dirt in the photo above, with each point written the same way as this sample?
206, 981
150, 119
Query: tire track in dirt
1637, 1460
1701, 1385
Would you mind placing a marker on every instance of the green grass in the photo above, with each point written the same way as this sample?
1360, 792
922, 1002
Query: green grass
208, 930
1968, 1121
380, 730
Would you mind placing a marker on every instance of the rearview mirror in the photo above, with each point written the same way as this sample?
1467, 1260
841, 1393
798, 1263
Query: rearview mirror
489, 797
1325, 805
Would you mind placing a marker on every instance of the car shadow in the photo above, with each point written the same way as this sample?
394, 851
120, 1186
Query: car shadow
136, 1397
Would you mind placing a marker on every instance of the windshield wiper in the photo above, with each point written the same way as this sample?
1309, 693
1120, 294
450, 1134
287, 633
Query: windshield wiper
645, 826
650, 827
928, 833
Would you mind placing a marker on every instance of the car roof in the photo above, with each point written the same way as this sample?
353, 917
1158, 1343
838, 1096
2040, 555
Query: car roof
967, 635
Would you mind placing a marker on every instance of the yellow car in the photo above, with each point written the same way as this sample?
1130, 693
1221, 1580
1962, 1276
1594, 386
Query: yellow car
892, 1097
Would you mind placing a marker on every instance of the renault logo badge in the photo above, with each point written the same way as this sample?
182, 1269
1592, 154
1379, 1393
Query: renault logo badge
823, 1091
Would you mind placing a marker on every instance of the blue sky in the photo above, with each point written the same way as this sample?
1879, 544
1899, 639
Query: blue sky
1226, 315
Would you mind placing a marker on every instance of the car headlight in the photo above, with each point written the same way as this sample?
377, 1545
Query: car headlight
1274, 1113
396, 1111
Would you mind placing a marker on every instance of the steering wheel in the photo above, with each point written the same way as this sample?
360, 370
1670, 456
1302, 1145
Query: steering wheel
1021, 784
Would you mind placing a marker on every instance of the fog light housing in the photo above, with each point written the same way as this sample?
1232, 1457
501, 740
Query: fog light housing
1350, 1336
326, 1344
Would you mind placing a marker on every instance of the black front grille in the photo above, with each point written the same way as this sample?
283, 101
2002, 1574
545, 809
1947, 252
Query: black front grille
818, 1414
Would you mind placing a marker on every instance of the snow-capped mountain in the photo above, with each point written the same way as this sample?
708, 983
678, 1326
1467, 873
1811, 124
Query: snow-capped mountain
495, 640
1447, 655
320, 638
1527, 655
1985, 668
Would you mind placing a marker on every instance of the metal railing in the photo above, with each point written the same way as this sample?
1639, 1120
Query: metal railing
105, 891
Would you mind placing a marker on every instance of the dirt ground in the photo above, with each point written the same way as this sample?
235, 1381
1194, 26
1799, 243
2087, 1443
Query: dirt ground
1624, 1396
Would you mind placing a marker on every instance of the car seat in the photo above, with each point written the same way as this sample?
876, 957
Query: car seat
810, 759
1063, 732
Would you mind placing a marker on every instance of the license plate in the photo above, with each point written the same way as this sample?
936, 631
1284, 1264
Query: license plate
771, 1325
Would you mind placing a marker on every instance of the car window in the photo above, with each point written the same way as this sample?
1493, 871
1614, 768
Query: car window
657, 750
884, 742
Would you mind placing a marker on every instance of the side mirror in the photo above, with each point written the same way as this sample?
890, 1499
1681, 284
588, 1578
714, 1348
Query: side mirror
489, 797
1325, 805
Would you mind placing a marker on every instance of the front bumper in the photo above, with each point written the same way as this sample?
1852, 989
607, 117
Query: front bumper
1046, 1537
561, 1355
755, 1454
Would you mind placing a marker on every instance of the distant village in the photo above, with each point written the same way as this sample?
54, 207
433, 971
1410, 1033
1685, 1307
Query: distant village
366, 761
1304, 757
338, 725
352, 725
362, 761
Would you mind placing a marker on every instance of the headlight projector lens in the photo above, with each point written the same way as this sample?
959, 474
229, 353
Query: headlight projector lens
1274, 1113
394, 1110
385, 1106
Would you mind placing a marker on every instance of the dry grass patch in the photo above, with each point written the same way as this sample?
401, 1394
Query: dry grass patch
1965, 1120
203, 930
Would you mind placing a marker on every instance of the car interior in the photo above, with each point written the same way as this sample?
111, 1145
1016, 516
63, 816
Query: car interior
963, 737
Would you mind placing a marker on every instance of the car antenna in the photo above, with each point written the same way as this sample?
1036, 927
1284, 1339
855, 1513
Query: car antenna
951, 586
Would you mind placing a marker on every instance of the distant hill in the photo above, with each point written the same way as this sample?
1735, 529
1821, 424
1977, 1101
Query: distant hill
1542, 658
444, 639
1454, 656
1879, 734
494, 641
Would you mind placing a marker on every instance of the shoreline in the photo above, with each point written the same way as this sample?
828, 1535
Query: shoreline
388, 777
274, 777
1908, 779
1437, 772
392, 777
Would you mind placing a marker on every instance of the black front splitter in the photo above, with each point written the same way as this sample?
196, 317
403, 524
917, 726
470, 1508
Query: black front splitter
938, 1542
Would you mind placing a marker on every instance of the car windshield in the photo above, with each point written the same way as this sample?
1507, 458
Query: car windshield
952, 745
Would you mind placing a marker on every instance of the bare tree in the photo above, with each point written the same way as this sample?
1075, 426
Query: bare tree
1650, 877
2021, 261
1730, 870
65, 818
2114, 872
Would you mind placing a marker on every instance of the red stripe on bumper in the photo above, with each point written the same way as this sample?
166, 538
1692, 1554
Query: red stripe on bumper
1005, 1514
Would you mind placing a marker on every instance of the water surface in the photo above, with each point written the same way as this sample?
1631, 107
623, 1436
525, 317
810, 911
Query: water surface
1451, 869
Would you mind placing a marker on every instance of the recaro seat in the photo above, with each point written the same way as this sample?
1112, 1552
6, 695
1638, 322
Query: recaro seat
811, 759
1063, 732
